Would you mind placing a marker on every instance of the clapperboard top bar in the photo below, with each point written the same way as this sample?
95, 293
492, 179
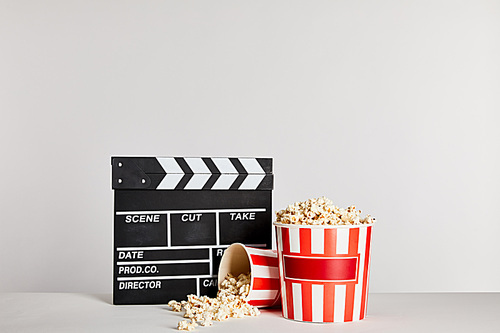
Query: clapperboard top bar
192, 173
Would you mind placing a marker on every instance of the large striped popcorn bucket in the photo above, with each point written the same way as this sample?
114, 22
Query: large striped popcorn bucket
263, 267
324, 271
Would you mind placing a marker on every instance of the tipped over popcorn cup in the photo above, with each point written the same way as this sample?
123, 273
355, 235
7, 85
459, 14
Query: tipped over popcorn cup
263, 268
324, 261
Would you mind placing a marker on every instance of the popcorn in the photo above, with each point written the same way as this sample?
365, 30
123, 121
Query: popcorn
231, 302
207, 319
185, 325
321, 211
176, 306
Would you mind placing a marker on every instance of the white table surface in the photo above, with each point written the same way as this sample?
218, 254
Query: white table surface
438, 312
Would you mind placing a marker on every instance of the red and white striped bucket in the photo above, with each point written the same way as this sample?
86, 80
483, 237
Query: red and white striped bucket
263, 267
324, 271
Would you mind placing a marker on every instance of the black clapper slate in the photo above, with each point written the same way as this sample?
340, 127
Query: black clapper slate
175, 216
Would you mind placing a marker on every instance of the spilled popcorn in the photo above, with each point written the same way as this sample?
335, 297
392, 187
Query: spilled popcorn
231, 302
321, 211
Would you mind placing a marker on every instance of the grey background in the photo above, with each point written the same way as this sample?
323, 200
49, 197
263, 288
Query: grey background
389, 105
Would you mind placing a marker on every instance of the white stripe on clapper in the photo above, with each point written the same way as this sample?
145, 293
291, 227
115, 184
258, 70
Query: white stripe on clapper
358, 289
162, 262
182, 211
217, 229
224, 165
317, 302
251, 165
197, 165
210, 259
169, 231
169, 277
251, 182
297, 301
170, 181
169, 165
197, 181
224, 182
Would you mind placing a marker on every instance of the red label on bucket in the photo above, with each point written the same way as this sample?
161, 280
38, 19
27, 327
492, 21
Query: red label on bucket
321, 268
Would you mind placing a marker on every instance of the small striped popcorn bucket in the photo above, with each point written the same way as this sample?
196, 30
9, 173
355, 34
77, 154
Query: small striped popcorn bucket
324, 271
263, 267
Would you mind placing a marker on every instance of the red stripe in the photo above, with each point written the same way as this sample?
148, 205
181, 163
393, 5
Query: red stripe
265, 284
306, 301
264, 260
353, 240
305, 241
364, 295
330, 242
328, 301
350, 288
330, 245
289, 299
261, 302
285, 239
349, 301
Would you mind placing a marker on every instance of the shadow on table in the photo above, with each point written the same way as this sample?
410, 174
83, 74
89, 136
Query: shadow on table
104, 298
274, 310
108, 299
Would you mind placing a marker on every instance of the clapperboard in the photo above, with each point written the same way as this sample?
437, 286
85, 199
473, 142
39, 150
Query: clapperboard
174, 216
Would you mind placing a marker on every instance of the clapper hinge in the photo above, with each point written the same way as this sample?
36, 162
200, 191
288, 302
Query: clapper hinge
126, 174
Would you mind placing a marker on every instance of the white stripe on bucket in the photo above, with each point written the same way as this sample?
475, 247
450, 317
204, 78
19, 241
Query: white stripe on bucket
317, 302
294, 240
317, 241
358, 289
261, 252
342, 241
339, 306
279, 234
262, 294
297, 301
265, 272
